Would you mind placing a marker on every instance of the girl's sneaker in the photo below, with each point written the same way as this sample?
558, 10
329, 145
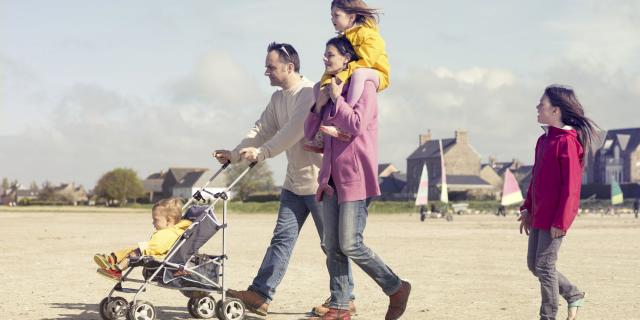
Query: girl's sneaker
316, 145
335, 132
111, 274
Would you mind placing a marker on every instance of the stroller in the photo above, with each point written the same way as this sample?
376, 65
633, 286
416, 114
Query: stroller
196, 275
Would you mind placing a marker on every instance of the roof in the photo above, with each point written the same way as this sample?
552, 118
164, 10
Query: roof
153, 185
383, 166
431, 149
180, 173
200, 178
628, 140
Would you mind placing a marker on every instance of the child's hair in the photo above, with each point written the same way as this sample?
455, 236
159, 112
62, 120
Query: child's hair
359, 8
287, 54
343, 46
564, 98
170, 208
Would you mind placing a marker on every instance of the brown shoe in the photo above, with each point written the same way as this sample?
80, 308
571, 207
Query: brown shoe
324, 308
398, 301
335, 314
253, 301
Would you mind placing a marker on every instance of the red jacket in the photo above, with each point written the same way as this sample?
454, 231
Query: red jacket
554, 191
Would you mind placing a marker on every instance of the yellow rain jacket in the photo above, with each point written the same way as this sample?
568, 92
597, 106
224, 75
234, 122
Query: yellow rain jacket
159, 244
370, 48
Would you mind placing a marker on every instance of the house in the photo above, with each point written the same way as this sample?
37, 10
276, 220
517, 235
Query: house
180, 182
393, 186
617, 158
193, 181
462, 165
386, 169
70, 193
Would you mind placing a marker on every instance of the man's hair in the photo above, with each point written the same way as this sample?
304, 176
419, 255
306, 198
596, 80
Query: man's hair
287, 54
170, 208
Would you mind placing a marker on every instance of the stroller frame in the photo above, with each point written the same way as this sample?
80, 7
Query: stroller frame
117, 308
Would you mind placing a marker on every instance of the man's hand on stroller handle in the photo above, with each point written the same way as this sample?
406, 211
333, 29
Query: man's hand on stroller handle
222, 155
250, 154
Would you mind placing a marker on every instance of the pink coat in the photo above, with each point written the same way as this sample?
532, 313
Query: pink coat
554, 191
353, 165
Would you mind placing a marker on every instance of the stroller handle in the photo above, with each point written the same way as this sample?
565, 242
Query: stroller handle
198, 194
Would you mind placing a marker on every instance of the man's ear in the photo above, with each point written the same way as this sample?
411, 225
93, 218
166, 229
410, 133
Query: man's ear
290, 67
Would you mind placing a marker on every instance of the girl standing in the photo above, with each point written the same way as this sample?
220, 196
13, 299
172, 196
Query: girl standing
554, 194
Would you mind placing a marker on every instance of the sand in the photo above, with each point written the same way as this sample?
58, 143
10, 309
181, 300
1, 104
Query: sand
471, 268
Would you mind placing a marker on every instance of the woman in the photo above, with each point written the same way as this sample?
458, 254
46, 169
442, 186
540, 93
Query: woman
554, 194
347, 180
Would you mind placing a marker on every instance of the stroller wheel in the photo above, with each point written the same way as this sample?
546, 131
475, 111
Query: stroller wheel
202, 308
142, 310
231, 309
116, 309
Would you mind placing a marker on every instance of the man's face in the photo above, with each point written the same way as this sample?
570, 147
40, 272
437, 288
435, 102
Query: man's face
277, 71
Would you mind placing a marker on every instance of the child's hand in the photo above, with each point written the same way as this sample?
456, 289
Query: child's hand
323, 98
525, 222
335, 89
556, 233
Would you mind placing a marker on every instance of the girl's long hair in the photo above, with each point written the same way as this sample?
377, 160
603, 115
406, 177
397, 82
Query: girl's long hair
572, 113
359, 8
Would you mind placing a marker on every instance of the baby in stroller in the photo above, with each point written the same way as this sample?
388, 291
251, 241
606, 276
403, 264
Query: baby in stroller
166, 215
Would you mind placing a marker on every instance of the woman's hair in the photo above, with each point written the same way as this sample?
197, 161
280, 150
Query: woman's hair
170, 208
359, 8
343, 46
572, 112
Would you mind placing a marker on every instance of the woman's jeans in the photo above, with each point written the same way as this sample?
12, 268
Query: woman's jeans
293, 212
343, 228
541, 260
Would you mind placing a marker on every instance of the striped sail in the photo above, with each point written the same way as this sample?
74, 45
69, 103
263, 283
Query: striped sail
511, 193
423, 189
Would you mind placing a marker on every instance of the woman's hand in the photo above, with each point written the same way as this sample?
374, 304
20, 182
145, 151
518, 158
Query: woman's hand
557, 233
323, 98
335, 89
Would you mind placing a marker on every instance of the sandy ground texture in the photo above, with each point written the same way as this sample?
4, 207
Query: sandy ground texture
471, 268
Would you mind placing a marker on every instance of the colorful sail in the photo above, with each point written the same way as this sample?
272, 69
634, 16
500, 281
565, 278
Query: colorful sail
616, 193
423, 189
444, 193
511, 193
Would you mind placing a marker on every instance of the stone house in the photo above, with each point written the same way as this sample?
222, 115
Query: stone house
617, 159
462, 164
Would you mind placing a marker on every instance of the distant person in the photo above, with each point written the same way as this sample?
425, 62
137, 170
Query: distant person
423, 213
358, 23
347, 178
636, 207
501, 211
279, 129
553, 198
166, 215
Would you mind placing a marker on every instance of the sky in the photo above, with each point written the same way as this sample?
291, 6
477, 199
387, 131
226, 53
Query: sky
89, 86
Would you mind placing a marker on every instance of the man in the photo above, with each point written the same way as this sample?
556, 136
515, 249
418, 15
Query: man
281, 128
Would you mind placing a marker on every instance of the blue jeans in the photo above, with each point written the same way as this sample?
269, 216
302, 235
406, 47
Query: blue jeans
343, 228
294, 210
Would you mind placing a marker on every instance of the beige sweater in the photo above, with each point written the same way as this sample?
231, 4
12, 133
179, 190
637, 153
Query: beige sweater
281, 128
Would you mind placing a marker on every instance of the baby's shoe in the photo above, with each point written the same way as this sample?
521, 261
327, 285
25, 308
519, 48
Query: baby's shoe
335, 132
104, 261
111, 274
316, 145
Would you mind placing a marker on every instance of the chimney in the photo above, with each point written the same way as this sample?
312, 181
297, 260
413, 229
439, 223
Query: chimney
492, 161
424, 138
461, 136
